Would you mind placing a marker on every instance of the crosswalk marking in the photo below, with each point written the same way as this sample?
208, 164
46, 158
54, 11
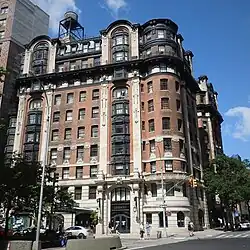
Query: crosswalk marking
233, 235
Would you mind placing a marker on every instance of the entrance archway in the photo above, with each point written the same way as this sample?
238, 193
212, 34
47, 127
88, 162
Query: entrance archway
201, 218
180, 219
120, 209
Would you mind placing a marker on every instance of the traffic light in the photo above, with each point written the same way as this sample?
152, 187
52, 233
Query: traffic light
192, 181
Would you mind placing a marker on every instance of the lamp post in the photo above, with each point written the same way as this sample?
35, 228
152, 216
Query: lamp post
163, 193
43, 157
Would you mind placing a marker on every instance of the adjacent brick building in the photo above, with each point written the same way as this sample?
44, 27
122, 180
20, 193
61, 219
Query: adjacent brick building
112, 113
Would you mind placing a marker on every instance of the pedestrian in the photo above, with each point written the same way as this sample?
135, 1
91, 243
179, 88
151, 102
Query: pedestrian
148, 227
191, 228
110, 227
142, 231
117, 228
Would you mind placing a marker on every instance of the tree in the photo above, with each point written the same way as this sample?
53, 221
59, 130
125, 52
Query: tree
227, 177
20, 183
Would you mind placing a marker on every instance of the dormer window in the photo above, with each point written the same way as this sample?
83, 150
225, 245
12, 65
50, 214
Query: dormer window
40, 58
160, 33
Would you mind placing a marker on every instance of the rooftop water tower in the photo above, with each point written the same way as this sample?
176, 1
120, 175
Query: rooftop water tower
70, 28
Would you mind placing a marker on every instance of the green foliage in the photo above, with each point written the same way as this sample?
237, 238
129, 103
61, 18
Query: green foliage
94, 217
228, 177
20, 183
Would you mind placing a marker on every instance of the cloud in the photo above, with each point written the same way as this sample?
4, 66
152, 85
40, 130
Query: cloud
56, 10
114, 6
242, 124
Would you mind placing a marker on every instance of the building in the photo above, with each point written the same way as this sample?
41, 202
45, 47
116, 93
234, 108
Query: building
20, 21
116, 115
209, 123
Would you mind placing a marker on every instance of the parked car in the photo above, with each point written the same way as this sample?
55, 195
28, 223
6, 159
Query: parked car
243, 225
28, 231
79, 232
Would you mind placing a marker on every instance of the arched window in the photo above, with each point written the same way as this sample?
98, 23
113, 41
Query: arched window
120, 44
120, 93
120, 194
180, 219
35, 104
40, 58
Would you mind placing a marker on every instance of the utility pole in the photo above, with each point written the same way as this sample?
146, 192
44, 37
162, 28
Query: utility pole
163, 201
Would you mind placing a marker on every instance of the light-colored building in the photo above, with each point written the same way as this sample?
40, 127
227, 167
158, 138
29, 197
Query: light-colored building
115, 114
209, 124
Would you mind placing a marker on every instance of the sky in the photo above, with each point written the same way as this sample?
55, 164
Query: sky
216, 31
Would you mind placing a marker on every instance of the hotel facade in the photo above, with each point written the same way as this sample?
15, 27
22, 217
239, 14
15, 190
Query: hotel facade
116, 116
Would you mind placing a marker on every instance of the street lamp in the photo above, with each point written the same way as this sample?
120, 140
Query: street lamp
162, 191
43, 157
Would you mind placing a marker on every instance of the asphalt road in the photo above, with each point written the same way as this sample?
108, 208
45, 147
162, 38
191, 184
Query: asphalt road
207, 244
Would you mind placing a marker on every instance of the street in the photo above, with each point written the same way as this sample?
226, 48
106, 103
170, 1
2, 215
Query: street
206, 240
208, 244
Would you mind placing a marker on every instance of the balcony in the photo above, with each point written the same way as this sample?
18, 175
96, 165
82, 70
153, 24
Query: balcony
120, 75
161, 53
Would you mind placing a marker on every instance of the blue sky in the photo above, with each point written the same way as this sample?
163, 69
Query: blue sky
217, 32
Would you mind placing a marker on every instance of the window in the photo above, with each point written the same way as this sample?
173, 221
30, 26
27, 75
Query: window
95, 94
34, 119
79, 172
119, 109
148, 51
82, 96
154, 189
149, 218
78, 193
150, 87
67, 134
165, 123
55, 135
95, 112
36, 104
93, 150
179, 124
164, 103
70, 98
181, 145
80, 153
121, 56
81, 114
161, 49
12, 123
167, 144
153, 167
170, 189
56, 117
163, 84
180, 219
93, 171
94, 131
81, 132
30, 137
66, 153
53, 154
160, 33
1, 34
57, 100
178, 105
72, 65
65, 173
151, 125
202, 98
4, 10
120, 93
69, 114
143, 125
177, 86
150, 105
142, 106
152, 145
92, 192
168, 165
160, 215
